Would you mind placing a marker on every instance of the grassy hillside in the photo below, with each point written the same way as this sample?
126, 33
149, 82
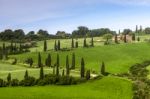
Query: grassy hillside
118, 58
106, 88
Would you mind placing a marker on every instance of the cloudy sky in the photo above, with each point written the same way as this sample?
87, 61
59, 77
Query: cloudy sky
67, 15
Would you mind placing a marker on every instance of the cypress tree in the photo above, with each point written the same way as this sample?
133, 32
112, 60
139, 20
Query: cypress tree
58, 44
133, 37
45, 46
116, 39
73, 60
4, 50
57, 65
9, 78
20, 47
82, 68
92, 42
48, 60
39, 60
103, 68
63, 72
67, 66
125, 38
76, 44
72, 43
84, 44
54, 69
136, 29
55, 46
88, 74
138, 39
1, 55
31, 62
26, 76
41, 72
11, 47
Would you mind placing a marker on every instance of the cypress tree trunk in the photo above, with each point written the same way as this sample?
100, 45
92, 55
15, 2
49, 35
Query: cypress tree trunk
67, 66
73, 61
63, 72
39, 60
82, 68
57, 65
45, 46
133, 37
88, 74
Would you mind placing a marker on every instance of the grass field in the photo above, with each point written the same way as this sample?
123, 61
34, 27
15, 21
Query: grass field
106, 88
117, 57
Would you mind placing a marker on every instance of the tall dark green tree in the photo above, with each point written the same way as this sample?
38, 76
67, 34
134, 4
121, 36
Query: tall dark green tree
125, 38
116, 39
39, 60
59, 45
72, 43
9, 78
45, 46
88, 74
41, 72
92, 42
76, 44
48, 60
26, 76
30, 62
20, 47
11, 47
103, 68
84, 43
73, 61
63, 72
133, 37
82, 72
57, 65
67, 66
55, 46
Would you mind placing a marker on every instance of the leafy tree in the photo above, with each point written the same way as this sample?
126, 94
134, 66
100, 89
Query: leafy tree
67, 66
57, 65
72, 43
82, 68
103, 68
127, 31
147, 30
39, 60
107, 37
88, 74
41, 73
82, 31
73, 60
26, 76
45, 45
31, 62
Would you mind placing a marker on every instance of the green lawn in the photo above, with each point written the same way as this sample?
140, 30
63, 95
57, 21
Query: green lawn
106, 88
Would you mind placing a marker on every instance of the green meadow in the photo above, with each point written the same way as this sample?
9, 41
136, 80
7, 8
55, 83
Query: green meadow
117, 57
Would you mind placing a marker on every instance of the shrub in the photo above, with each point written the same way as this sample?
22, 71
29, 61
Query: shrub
30, 81
14, 82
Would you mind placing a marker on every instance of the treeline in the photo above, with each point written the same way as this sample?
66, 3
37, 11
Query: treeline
82, 31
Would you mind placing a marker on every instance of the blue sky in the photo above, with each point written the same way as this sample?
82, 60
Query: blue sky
67, 15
